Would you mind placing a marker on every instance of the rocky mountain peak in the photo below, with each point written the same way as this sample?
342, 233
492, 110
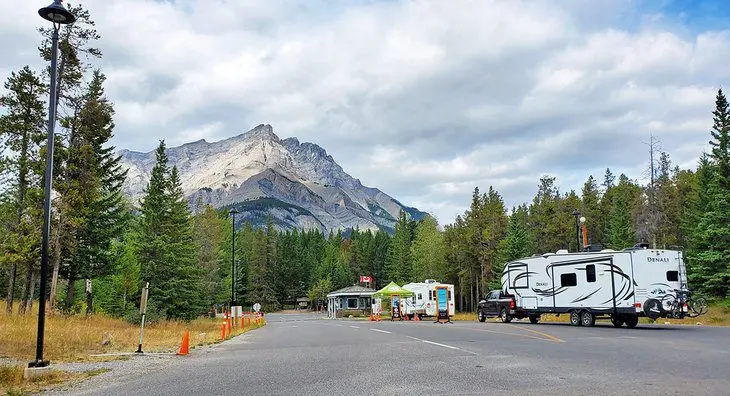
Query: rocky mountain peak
264, 131
298, 184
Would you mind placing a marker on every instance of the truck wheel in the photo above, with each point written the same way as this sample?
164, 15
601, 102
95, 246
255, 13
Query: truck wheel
481, 316
631, 321
534, 319
587, 319
504, 315
575, 318
617, 320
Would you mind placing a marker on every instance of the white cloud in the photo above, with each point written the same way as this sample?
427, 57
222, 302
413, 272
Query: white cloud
423, 99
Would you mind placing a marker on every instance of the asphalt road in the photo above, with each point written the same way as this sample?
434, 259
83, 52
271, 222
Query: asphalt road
309, 355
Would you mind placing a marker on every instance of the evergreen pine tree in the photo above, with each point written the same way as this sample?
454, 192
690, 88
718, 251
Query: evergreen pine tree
22, 131
399, 253
428, 251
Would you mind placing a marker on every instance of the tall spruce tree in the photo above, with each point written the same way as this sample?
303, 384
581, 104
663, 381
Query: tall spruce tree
94, 196
399, 253
428, 251
22, 131
710, 256
518, 241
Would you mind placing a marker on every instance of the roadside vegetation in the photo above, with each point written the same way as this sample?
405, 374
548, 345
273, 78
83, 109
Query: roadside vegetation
77, 337
12, 382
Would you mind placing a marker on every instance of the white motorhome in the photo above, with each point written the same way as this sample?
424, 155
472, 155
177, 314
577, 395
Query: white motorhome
620, 285
423, 303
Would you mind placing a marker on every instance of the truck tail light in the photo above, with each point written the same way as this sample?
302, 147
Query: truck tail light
511, 304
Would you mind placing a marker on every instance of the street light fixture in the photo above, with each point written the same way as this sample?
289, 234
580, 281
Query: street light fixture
233, 212
57, 14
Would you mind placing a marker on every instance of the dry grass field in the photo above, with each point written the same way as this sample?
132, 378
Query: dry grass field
77, 338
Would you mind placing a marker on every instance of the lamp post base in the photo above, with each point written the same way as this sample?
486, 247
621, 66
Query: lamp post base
36, 371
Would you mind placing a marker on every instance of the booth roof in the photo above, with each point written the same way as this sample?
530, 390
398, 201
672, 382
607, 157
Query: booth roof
352, 291
391, 290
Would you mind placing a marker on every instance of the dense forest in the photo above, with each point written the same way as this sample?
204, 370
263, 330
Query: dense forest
184, 249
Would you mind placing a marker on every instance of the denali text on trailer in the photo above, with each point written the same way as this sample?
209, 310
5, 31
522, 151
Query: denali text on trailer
620, 285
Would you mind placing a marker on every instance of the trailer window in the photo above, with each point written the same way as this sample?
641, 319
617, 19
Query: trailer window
420, 296
673, 276
568, 280
590, 273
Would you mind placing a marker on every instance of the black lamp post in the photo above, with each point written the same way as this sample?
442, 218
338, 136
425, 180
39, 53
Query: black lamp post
58, 15
576, 213
233, 213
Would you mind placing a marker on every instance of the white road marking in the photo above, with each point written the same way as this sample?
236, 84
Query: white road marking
441, 345
381, 331
354, 327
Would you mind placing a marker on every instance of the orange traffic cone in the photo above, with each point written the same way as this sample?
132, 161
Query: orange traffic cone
228, 323
377, 318
223, 331
416, 318
185, 347
371, 317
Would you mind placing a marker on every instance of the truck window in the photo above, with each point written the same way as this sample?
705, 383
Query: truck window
590, 273
568, 279
672, 276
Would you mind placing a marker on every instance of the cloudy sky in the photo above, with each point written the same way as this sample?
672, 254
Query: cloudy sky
422, 99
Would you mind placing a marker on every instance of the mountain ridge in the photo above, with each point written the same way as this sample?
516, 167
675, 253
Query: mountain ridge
297, 183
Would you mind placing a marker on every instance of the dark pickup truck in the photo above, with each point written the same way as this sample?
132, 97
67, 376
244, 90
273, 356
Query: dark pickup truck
499, 304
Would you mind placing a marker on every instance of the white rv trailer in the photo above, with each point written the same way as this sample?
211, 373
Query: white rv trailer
621, 285
423, 303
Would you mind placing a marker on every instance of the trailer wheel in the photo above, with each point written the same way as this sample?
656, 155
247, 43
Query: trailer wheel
631, 321
617, 320
575, 318
534, 319
504, 315
481, 316
587, 319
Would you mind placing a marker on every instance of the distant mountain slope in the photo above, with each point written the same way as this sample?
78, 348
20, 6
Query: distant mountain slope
298, 184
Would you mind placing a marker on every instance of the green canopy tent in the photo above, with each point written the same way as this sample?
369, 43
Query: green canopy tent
393, 290
388, 292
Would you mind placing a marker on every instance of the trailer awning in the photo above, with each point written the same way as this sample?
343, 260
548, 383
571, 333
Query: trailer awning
393, 290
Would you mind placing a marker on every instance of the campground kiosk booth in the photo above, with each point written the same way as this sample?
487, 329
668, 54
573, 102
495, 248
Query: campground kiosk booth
349, 300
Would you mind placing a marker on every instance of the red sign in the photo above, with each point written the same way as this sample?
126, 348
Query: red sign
364, 278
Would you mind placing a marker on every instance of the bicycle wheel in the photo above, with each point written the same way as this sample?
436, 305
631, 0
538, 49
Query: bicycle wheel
669, 302
698, 305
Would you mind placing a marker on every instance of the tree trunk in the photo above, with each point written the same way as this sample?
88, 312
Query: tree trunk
56, 263
11, 288
26, 289
29, 303
71, 292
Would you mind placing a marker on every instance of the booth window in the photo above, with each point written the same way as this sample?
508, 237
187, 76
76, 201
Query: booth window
590, 273
352, 303
568, 280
